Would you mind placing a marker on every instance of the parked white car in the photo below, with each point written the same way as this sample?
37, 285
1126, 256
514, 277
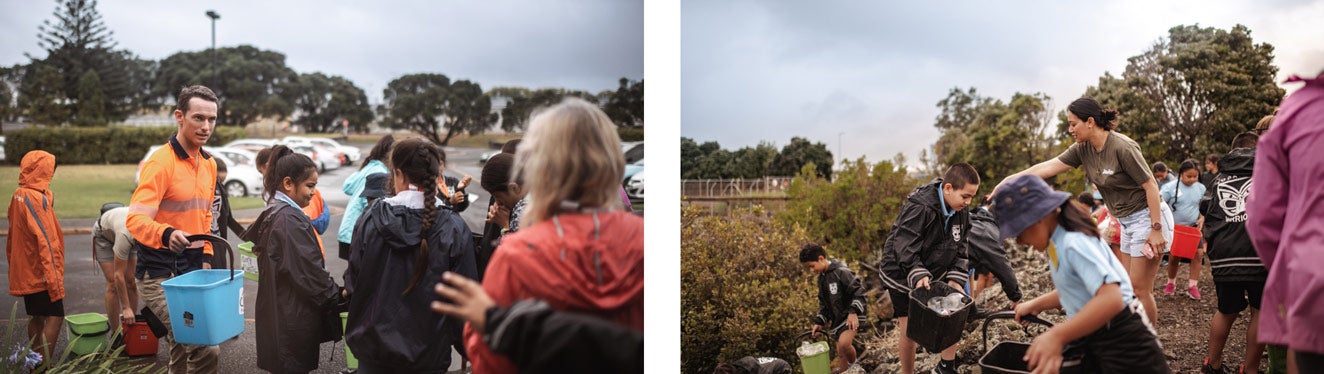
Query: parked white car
240, 179
324, 160
350, 154
634, 187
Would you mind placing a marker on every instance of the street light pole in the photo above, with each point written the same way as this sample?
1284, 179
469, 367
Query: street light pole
214, 16
839, 143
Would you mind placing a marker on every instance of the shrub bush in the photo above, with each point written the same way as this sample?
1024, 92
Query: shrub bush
854, 212
98, 145
630, 134
744, 291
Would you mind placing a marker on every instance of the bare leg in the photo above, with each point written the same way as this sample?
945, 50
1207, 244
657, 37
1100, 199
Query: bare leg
1196, 265
1219, 328
112, 299
36, 326
846, 351
1142, 273
1173, 263
1117, 252
1253, 348
906, 348
949, 353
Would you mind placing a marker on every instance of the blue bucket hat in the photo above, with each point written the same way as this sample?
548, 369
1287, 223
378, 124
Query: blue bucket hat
1022, 202
374, 186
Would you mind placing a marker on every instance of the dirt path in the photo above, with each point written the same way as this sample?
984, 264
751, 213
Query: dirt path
1183, 323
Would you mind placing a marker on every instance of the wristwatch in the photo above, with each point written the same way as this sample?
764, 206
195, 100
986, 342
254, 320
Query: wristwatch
1156, 226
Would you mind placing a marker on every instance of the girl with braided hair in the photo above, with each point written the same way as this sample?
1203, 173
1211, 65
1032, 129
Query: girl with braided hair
402, 245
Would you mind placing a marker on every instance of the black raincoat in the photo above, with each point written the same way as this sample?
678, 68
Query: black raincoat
925, 243
538, 339
385, 328
1232, 257
297, 298
840, 293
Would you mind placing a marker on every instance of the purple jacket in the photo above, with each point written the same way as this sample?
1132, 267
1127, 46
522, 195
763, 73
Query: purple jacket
1285, 224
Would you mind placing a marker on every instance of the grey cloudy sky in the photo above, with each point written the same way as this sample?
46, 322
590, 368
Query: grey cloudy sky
579, 44
768, 70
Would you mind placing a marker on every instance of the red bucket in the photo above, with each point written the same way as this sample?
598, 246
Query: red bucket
1185, 240
138, 340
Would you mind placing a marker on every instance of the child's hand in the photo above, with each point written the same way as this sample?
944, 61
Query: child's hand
814, 330
852, 322
1024, 309
923, 282
464, 182
957, 286
1045, 354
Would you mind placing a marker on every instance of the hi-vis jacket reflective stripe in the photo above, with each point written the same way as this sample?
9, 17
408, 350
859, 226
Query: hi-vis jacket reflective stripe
35, 245
174, 193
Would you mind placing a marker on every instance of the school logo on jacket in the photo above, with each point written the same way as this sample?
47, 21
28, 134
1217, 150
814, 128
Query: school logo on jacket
956, 233
832, 288
1232, 198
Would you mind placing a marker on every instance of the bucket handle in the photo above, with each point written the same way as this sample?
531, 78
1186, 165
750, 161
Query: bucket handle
1007, 314
810, 334
215, 241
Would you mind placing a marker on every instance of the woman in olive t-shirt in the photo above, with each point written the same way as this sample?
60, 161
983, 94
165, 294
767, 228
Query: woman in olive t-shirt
1113, 162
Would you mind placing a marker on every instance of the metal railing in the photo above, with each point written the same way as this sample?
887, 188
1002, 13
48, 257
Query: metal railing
700, 188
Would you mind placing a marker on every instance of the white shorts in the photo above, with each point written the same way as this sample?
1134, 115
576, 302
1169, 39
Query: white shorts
1136, 228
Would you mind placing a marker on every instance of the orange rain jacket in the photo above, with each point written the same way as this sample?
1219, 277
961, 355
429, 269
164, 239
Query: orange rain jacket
174, 192
35, 246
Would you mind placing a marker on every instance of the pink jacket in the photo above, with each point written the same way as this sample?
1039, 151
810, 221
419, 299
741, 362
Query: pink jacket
1285, 221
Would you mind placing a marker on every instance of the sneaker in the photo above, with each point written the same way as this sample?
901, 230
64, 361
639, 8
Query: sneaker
945, 367
1194, 292
1206, 369
1170, 288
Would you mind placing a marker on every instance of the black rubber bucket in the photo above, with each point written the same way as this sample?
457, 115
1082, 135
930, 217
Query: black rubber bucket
927, 327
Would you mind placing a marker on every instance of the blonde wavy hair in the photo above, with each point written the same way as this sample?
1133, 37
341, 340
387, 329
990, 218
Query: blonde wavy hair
570, 159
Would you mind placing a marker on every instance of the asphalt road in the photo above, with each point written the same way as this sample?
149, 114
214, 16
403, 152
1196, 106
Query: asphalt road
85, 284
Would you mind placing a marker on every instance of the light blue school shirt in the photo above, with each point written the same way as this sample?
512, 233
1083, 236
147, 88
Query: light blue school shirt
1186, 204
1080, 264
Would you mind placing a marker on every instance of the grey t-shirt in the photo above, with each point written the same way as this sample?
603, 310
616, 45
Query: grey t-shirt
1119, 171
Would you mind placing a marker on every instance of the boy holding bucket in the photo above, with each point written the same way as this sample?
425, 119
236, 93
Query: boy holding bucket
927, 241
840, 299
1103, 314
1239, 276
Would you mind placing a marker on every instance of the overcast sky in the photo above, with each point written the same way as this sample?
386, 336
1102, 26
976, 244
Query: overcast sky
769, 70
579, 44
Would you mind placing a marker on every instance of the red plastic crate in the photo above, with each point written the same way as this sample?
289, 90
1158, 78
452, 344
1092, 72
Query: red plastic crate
138, 340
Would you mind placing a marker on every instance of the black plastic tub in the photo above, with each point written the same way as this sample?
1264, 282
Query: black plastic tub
927, 327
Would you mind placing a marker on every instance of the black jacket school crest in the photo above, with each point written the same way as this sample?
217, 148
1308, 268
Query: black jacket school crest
925, 243
840, 293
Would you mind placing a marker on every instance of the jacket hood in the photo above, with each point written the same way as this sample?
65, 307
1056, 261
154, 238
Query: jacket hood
1239, 161
37, 169
982, 215
927, 195
402, 226
833, 265
577, 271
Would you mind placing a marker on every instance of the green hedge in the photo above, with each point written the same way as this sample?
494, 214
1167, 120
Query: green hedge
98, 145
630, 134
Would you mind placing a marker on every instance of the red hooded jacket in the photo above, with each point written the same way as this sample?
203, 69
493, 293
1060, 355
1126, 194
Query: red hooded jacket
561, 262
35, 246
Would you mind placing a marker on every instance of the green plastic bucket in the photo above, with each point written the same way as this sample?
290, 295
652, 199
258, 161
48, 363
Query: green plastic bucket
350, 361
814, 358
87, 332
248, 260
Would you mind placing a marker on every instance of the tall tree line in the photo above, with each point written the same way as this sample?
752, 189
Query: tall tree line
710, 161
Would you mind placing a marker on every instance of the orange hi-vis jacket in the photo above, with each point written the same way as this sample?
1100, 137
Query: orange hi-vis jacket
174, 192
35, 246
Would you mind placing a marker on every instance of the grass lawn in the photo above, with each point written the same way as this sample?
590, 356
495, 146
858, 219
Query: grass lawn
81, 189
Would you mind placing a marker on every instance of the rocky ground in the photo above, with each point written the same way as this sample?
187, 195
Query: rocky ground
1183, 323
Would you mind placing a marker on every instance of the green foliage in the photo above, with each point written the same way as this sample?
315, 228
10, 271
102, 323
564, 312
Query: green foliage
427, 103
625, 106
630, 134
99, 145
91, 101
853, 213
323, 101
1193, 91
40, 96
522, 102
710, 161
250, 82
994, 137
745, 293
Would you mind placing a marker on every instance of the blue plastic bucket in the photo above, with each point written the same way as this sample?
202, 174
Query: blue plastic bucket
206, 306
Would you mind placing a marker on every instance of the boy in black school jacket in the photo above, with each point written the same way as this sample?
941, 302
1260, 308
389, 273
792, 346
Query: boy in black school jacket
927, 243
841, 302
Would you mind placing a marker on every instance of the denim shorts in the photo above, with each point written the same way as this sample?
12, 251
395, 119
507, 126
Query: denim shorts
1136, 228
